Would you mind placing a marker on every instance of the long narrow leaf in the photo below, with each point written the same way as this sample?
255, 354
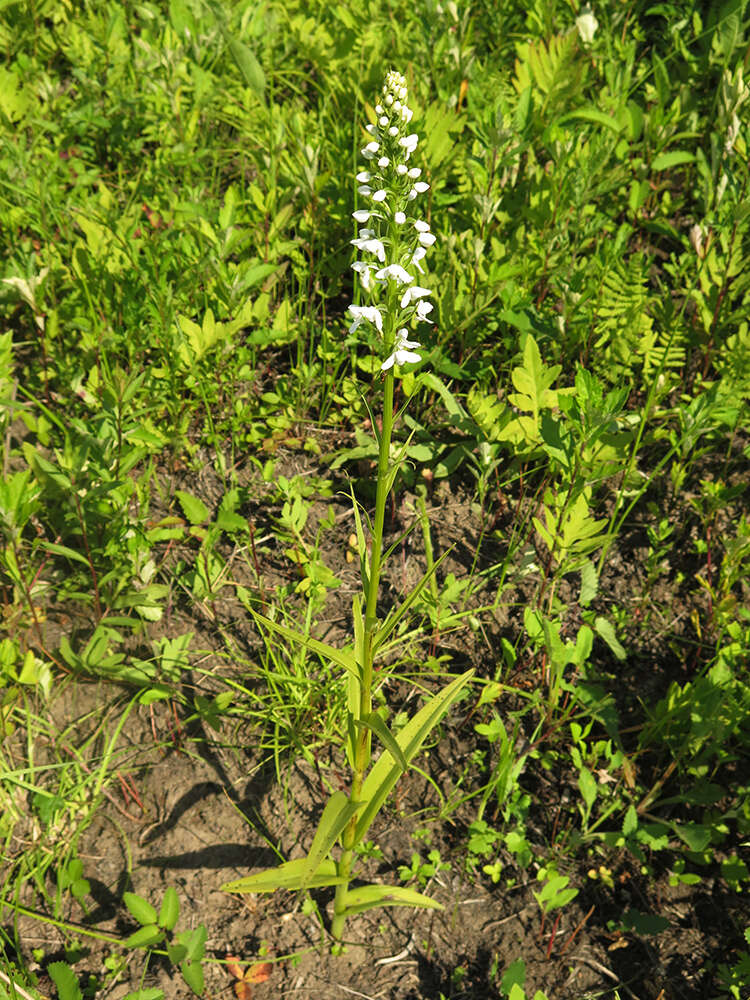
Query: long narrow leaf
364, 560
395, 616
341, 656
288, 875
376, 725
337, 813
367, 897
386, 771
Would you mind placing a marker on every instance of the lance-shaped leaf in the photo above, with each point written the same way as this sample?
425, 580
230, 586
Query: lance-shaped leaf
314, 870
367, 897
288, 875
376, 725
386, 771
364, 559
343, 657
337, 813
395, 616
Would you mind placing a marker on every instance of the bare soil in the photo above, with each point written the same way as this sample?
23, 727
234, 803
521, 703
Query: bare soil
194, 808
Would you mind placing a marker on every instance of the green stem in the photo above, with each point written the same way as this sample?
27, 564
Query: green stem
362, 750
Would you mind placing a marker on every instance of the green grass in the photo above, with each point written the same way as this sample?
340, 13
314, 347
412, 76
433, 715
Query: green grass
183, 415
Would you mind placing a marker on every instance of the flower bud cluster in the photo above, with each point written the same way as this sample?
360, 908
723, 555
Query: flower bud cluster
392, 241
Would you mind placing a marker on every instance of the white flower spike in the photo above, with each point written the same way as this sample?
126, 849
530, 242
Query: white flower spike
392, 241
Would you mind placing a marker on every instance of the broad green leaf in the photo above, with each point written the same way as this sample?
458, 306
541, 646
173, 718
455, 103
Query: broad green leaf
533, 380
630, 823
605, 629
64, 979
192, 507
587, 786
64, 550
386, 771
248, 65
192, 973
584, 645
170, 909
288, 875
591, 114
589, 584
14, 102
367, 897
145, 937
696, 836
674, 159
523, 109
176, 953
140, 908
343, 657
514, 977
195, 942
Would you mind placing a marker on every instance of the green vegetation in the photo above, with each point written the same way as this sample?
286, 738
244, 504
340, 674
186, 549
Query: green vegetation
191, 434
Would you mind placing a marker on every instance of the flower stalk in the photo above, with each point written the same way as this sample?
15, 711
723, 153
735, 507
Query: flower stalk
391, 243
396, 241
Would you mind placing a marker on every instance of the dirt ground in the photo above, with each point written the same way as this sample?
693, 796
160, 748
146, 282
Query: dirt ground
210, 809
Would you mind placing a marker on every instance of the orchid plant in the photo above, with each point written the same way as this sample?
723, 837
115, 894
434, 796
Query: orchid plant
392, 244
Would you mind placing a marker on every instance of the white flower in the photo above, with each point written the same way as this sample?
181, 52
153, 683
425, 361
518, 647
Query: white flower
370, 245
414, 173
419, 254
364, 177
425, 236
365, 190
399, 218
419, 188
401, 169
406, 114
380, 195
415, 292
370, 150
393, 130
423, 308
370, 129
383, 162
371, 313
403, 353
363, 269
587, 25
383, 121
361, 215
378, 109
409, 143
389, 99
395, 271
